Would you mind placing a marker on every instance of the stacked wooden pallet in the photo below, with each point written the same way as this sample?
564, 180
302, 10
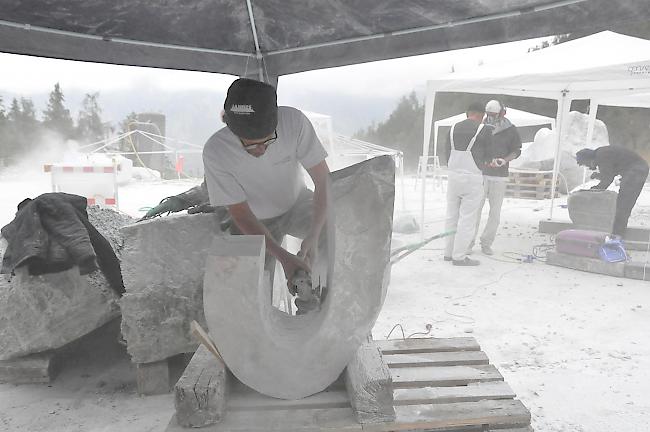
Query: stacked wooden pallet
440, 385
535, 185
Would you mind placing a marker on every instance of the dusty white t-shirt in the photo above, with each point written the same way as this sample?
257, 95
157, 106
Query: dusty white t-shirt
269, 183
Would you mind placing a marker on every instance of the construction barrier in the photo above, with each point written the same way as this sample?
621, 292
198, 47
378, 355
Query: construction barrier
98, 183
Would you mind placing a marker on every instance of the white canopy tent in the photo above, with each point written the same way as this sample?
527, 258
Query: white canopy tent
517, 117
605, 66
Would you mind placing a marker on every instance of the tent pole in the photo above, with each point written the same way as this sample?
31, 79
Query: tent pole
422, 163
562, 109
593, 111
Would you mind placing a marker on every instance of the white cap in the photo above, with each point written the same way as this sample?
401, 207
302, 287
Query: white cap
493, 107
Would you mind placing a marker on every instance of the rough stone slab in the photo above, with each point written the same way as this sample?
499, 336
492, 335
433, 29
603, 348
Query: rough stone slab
163, 261
200, 394
45, 312
291, 357
370, 386
34, 368
635, 270
591, 265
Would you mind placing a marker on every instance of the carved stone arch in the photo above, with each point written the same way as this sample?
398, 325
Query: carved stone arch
292, 357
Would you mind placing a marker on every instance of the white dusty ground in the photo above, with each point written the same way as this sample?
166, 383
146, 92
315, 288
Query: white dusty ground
574, 346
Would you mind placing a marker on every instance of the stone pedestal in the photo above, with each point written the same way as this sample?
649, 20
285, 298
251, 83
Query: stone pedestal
593, 209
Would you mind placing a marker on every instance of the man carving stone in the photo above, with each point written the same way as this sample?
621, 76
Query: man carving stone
252, 166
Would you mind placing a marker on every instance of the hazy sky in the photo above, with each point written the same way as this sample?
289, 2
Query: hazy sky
26, 75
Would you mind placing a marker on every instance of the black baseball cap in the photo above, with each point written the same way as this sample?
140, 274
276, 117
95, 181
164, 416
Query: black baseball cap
584, 156
251, 109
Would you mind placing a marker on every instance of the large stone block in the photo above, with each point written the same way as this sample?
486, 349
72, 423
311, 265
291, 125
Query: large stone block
39, 313
292, 357
592, 209
163, 261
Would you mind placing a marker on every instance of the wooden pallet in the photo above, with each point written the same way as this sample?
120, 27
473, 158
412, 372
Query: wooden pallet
440, 385
530, 185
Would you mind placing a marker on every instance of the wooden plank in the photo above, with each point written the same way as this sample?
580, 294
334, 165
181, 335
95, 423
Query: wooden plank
423, 345
370, 386
200, 393
470, 393
33, 368
453, 358
249, 400
443, 376
304, 420
494, 413
153, 378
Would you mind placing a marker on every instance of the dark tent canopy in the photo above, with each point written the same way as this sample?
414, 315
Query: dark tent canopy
269, 38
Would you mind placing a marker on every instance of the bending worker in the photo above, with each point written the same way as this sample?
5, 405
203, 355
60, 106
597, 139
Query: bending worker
252, 166
505, 146
467, 147
610, 162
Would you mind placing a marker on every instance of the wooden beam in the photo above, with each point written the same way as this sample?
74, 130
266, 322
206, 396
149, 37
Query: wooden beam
423, 345
494, 413
443, 376
33, 368
455, 358
470, 393
370, 386
200, 394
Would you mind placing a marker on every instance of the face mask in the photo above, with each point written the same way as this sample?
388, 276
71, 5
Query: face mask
491, 119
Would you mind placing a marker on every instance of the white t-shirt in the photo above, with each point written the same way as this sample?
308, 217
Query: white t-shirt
269, 183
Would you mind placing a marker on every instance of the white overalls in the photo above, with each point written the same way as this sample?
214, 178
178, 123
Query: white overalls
464, 197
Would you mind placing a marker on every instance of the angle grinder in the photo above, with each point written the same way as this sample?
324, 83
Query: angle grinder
308, 297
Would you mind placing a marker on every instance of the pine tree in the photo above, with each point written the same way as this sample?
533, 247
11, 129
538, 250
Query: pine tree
57, 117
4, 134
402, 130
22, 127
89, 125
3, 112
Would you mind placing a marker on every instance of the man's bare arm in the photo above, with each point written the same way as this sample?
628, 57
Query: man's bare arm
320, 176
248, 224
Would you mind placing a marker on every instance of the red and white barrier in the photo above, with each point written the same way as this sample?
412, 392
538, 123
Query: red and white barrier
98, 183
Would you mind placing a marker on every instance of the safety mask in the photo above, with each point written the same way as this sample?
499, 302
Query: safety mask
492, 119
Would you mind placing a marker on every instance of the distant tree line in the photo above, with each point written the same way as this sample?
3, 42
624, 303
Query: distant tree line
21, 130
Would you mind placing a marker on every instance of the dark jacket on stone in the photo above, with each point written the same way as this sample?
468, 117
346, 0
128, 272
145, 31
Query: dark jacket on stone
51, 233
505, 140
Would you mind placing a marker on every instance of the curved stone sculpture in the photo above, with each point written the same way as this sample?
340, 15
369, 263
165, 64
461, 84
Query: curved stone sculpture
292, 357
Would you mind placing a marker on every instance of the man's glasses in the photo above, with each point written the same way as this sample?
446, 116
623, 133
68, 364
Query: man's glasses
265, 144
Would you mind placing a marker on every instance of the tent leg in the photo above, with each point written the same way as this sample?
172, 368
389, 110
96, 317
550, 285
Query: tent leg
564, 104
428, 119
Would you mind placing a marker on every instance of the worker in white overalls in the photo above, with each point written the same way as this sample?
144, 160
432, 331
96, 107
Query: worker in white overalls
467, 147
